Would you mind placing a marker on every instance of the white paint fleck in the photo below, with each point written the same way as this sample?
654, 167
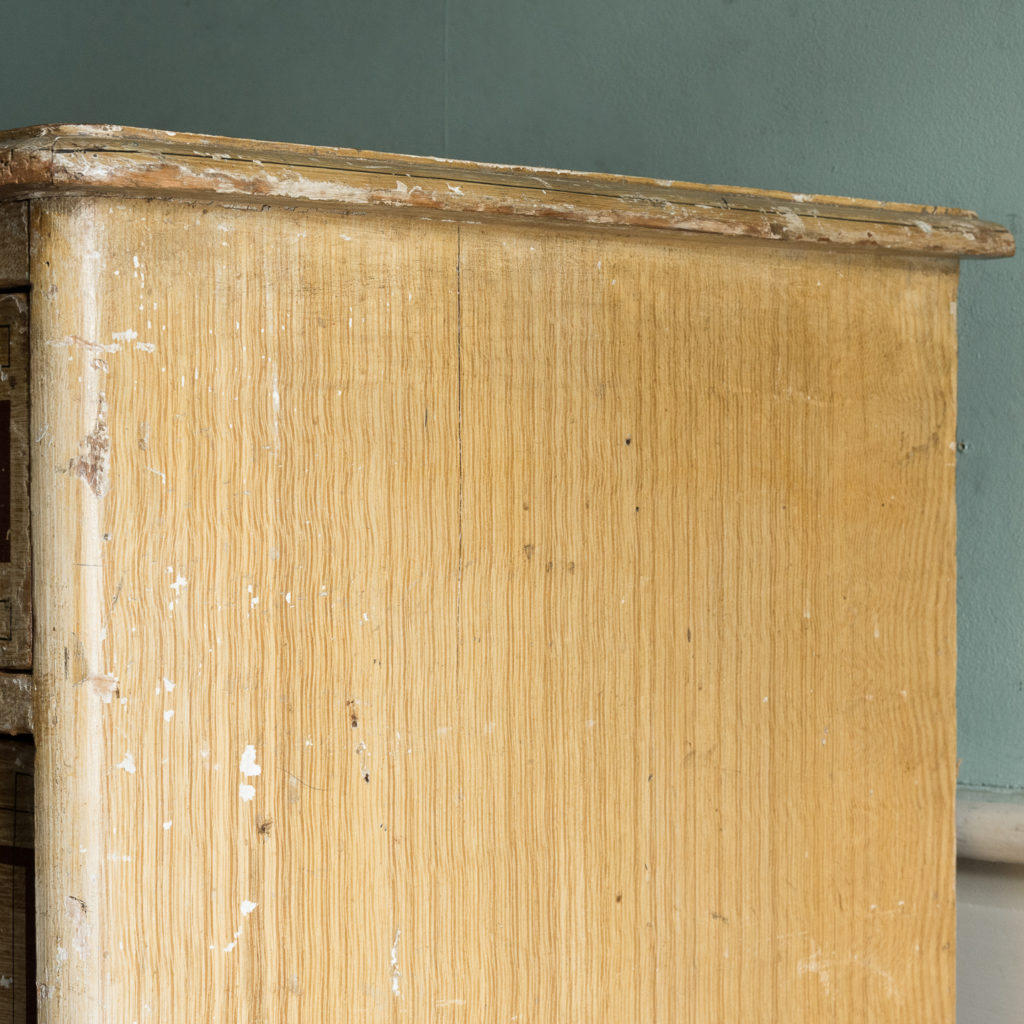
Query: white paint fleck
815, 965
5, 981
128, 764
167, 825
248, 907
179, 582
455, 190
145, 346
288, 598
924, 226
246, 792
168, 685
248, 766
396, 974
168, 714
128, 335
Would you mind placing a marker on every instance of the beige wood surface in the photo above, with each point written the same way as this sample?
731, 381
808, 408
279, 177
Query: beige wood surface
114, 160
708, 524
477, 623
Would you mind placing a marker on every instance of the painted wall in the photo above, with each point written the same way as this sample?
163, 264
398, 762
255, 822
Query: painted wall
917, 100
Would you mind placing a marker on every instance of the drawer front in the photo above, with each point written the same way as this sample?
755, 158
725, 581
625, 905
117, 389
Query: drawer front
15, 551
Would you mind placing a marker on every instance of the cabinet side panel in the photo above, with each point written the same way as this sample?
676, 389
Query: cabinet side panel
248, 502
589, 659
708, 549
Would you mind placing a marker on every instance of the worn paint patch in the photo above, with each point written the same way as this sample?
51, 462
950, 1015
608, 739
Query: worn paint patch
105, 687
92, 463
79, 923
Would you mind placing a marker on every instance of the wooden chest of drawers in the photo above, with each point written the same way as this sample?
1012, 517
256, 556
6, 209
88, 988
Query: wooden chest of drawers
461, 593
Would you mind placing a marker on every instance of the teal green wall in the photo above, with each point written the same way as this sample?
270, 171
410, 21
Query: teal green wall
912, 100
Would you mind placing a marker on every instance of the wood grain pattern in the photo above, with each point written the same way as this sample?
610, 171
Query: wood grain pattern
257, 588
708, 532
37, 162
453, 623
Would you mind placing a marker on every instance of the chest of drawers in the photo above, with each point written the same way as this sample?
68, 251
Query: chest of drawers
464, 593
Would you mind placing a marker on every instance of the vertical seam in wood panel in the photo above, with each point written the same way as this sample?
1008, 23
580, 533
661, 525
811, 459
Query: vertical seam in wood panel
458, 378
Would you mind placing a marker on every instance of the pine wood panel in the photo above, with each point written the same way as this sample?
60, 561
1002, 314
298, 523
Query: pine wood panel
254, 501
457, 623
708, 570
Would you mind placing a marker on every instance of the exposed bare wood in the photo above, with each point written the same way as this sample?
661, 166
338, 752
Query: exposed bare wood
109, 159
450, 622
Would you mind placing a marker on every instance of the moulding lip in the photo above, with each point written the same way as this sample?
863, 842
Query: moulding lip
90, 158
